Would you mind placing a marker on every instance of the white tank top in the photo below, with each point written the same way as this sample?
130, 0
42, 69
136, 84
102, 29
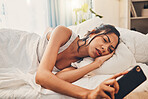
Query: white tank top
44, 41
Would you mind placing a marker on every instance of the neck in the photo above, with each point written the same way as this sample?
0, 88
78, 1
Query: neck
83, 51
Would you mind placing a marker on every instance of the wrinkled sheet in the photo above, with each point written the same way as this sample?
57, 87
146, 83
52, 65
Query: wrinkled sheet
19, 62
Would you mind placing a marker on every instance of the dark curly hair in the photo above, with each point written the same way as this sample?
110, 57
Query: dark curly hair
105, 28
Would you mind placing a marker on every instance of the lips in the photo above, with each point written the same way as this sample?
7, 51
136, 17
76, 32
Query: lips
98, 52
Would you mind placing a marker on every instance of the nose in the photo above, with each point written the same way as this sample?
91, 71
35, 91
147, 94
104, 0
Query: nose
104, 48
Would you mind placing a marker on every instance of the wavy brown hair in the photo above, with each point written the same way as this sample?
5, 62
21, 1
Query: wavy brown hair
103, 29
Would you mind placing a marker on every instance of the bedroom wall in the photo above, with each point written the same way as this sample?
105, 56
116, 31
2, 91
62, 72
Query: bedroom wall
109, 9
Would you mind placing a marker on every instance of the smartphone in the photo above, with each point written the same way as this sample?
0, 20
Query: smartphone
129, 82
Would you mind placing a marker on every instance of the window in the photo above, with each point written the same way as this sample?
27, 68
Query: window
28, 15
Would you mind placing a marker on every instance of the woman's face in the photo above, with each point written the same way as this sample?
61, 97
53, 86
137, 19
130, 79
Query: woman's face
102, 45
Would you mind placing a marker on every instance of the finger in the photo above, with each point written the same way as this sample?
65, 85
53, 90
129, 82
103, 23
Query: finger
104, 95
112, 95
116, 86
119, 74
109, 56
112, 53
101, 93
111, 90
113, 83
110, 82
116, 75
125, 72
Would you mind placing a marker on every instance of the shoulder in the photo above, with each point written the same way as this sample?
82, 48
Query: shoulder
62, 30
60, 33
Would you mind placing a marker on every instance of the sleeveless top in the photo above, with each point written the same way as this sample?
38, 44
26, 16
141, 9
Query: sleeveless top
43, 43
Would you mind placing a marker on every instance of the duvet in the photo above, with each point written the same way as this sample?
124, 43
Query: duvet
19, 61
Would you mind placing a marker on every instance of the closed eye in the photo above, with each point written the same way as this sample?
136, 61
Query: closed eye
110, 50
104, 40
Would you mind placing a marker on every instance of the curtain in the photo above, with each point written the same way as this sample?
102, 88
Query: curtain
37, 15
61, 12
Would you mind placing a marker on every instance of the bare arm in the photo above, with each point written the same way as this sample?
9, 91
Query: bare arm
44, 76
46, 79
71, 74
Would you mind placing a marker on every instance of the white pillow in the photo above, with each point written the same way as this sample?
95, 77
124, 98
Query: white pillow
86, 26
122, 59
136, 42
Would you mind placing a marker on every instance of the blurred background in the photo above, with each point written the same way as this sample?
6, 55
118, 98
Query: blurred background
37, 15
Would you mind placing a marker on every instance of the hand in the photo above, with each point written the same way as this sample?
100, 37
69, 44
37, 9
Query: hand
99, 92
102, 59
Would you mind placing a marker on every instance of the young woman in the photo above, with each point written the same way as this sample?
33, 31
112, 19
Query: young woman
65, 47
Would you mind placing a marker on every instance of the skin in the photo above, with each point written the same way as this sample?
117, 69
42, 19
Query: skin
104, 43
61, 82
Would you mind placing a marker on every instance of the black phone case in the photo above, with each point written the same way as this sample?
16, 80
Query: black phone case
130, 81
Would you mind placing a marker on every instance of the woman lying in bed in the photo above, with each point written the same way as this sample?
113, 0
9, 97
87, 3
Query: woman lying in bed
65, 47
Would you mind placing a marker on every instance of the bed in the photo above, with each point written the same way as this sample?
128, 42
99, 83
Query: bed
17, 81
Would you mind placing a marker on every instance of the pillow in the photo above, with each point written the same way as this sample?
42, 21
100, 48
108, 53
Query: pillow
86, 26
136, 42
120, 61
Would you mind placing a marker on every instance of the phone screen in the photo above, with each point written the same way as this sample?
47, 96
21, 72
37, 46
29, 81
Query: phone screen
130, 81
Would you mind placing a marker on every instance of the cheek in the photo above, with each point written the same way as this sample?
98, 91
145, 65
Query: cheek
93, 45
90, 48
91, 51
96, 42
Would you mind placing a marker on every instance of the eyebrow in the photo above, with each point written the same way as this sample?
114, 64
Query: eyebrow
109, 41
108, 38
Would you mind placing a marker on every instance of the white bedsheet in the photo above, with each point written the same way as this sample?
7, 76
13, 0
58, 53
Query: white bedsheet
18, 49
17, 79
18, 66
18, 55
17, 84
